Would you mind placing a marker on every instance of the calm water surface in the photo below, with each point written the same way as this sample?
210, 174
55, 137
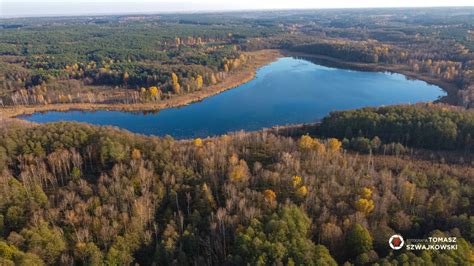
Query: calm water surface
288, 91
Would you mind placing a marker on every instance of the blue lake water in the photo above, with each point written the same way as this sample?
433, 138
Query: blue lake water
288, 91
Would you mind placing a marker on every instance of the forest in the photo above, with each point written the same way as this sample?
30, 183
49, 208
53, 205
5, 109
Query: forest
79, 194
137, 62
430, 128
328, 193
148, 58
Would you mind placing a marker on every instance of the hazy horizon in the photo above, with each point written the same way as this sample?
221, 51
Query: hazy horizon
10, 9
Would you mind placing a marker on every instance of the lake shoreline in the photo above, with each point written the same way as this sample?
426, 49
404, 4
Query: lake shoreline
449, 88
287, 91
240, 77
262, 58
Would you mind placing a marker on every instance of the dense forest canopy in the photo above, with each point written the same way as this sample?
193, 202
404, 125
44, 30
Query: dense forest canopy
439, 128
63, 60
74, 193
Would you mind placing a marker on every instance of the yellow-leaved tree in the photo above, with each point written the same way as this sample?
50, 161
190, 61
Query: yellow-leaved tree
125, 77
296, 181
269, 195
174, 78
198, 142
366, 193
334, 145
302, 191
238, 170
199, 81
175, 83
365, 204
177, 88
154, 92
308, 143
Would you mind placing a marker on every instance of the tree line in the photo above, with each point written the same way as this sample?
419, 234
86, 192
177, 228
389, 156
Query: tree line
419, 126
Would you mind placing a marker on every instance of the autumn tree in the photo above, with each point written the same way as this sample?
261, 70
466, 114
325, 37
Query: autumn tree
238, 170
334, 145
154, 92
198, 142
199, 82
175, 83
269, 195
126, 76
308, 143
212, 79
365, 204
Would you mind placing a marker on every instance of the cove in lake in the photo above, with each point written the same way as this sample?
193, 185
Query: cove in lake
288, 91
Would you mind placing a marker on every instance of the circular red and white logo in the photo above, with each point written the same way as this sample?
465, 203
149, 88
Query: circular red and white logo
396, 242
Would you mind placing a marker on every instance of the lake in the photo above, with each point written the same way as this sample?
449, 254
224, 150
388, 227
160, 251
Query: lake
287, 91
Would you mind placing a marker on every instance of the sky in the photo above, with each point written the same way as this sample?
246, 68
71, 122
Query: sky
21, 8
